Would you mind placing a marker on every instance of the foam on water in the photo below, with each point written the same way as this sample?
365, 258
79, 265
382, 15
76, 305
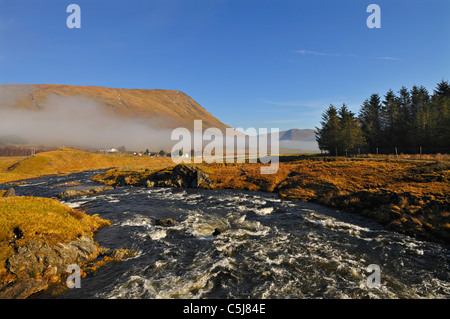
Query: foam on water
75, 204
135, 220
158, 234
264, 211
266, 247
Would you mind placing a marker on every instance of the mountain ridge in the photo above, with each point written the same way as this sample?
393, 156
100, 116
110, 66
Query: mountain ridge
164, 109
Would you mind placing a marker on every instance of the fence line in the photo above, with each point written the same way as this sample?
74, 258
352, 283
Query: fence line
396, 150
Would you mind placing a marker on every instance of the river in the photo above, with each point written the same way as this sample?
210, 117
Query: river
267, 247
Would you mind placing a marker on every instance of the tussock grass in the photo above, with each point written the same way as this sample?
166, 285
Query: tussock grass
43, 218
406, 196
425, 157
23, 219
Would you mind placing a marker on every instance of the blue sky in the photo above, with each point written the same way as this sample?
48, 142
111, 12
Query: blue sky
251, 63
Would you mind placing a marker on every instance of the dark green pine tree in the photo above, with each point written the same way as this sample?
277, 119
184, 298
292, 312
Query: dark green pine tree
327, 136
420, 125
410, 121
440, 114
390, 119
404, 124
443, 89
351, 135
370, 118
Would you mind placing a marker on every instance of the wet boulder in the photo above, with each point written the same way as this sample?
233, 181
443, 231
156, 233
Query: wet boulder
22, 289
34, 258
37, 263
189, 177
10, 193
117, 254
166, 222
70, 193
218, 231
159, 179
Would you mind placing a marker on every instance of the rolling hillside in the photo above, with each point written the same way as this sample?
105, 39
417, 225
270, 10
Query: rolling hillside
162, 109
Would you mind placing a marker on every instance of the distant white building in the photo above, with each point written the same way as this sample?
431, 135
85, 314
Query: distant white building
113, 150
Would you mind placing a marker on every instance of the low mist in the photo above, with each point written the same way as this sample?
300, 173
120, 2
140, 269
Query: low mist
83, 123
77, 121
304, 146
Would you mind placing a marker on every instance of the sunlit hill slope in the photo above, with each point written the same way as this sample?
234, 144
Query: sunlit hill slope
162, 109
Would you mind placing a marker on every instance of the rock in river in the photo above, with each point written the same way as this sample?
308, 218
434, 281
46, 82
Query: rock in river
167, 222
10, 193
92, 191
189, 176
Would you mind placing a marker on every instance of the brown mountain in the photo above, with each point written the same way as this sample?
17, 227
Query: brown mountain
162, 109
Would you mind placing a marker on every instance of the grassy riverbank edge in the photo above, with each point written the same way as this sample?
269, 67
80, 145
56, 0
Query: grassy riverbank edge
410, 197
405, 195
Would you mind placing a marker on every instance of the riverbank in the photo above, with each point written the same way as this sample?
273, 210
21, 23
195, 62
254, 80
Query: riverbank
408, 197
67, 161
405, 196
40, 238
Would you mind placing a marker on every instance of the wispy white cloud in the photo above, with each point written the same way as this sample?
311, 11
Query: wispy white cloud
282, 121
308, 52
386, 58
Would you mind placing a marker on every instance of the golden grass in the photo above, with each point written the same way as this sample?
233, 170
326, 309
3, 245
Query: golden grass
406, 196
7, 161
67, 161
423, 157
44, 218
40, 219
131, 176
